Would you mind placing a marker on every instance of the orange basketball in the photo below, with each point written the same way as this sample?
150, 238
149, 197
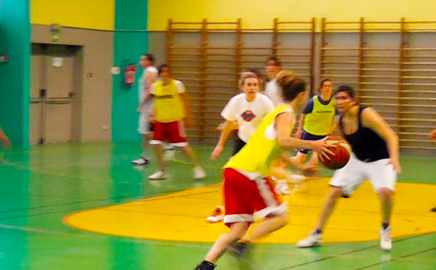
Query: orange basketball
341, 153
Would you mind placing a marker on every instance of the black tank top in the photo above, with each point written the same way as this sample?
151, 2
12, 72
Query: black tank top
367, 145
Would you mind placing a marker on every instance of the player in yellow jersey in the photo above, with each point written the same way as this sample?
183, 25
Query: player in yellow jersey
247, 186
171, 110
318, 120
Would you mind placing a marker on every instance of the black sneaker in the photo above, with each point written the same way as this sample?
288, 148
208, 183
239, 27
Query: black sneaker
141, 161
238, 249
433, 210
205, 266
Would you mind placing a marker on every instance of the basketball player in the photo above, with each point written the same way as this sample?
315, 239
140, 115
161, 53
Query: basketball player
247, 110
317, 120
271, 89
247, 187
433, 136
171, 111
375, 156
148, 77
4, 139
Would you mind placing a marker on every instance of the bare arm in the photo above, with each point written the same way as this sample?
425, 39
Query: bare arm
334, 123
4, 139
284, 128
187, 106
300, 126
227, 128
374, 121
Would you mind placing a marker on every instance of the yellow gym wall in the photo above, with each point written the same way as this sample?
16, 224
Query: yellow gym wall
260, 13
93, 14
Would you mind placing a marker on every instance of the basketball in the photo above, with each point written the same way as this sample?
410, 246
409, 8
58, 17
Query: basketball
341, 153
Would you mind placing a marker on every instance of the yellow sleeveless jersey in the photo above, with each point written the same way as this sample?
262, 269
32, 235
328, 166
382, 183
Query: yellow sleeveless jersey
167, 102
262, 148
318, 122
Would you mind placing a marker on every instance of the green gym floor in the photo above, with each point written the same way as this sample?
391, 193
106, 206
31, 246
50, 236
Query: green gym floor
40, 186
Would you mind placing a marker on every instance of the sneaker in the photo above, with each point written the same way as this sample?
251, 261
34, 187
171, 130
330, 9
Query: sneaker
238, 249
385, 239
282, 187
159, 175
433, 210
141, 161
199, 173
217, 216
205, 266
314, 239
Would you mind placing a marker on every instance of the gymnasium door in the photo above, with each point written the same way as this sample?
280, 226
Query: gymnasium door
55, 81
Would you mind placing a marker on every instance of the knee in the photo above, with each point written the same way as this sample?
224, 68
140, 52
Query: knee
385, 193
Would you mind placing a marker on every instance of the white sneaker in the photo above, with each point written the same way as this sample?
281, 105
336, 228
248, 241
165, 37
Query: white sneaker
312, 240
141, 161
159, 175
199, 173
217, 216
385, 239
282, 187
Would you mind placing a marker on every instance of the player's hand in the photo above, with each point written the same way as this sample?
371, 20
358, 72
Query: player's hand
5, 142
433, 134
309, 169
151, 118
396, 164
139, 109
321, 148
298, 134
217, 152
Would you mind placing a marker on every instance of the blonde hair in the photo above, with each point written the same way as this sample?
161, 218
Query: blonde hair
248, 74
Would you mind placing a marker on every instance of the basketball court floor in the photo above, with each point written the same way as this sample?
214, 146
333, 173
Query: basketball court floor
83, 206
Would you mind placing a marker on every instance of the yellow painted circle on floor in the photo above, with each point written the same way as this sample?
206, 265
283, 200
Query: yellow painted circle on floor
181, 216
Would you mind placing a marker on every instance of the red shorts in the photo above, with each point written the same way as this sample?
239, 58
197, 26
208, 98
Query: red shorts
174, 132
243, 197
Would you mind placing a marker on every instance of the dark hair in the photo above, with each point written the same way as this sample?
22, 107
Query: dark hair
275, 59
161, 67
323, 81
149, 57
348, 89
291, 86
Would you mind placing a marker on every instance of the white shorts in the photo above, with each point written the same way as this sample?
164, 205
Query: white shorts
380, 173
143, 124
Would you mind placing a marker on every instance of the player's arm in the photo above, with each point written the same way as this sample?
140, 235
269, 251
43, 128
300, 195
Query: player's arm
227, 129
187, 105
4, 139
148, 94
372, 120
284, 128
334, 123
300, 126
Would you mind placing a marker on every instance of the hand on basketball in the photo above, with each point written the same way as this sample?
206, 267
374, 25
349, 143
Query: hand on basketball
217, 152
433, 134
321, 147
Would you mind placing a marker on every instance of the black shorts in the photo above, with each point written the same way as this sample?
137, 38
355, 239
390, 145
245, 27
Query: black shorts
309, 137
238, 146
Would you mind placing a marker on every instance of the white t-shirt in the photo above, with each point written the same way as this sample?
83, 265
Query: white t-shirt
272, 90
247, 114
179, 85
142, 89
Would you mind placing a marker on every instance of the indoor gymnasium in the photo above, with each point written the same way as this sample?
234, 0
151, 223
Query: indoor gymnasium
195, 134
